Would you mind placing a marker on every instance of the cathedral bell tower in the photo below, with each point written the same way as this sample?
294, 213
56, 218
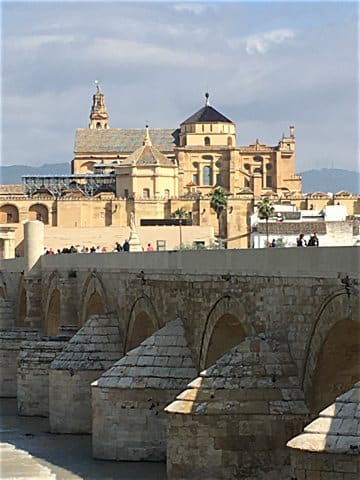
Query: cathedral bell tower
99, 117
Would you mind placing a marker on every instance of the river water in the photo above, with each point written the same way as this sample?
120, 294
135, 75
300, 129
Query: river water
28, 451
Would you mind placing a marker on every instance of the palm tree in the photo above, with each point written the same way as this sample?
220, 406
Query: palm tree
218, 203
180, 213
266, 210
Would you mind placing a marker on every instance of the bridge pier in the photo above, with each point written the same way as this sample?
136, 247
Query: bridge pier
91, 351
330, 446
235, 419
129, 399
34, 362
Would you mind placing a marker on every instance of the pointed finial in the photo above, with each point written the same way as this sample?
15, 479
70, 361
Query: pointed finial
97, 86
207, 99
147, 140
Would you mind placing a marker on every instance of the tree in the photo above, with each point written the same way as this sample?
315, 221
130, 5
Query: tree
218, 203
266, 210
180, 213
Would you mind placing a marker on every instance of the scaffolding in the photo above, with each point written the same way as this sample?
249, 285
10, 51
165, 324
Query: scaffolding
89, 184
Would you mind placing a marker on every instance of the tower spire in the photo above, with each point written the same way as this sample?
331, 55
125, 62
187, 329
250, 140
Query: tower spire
147, 140
207, 103
99, 117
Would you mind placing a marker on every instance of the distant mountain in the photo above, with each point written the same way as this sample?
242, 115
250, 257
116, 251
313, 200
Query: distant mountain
330, 180
324, 180
12, 174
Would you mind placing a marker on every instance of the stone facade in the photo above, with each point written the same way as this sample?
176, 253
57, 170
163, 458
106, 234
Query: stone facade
128, 400
95, 347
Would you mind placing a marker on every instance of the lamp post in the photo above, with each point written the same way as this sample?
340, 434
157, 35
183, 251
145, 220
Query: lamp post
180, 232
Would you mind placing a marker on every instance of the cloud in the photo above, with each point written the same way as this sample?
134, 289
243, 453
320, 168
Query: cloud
262, 42
29, 42
194, 8
142, 53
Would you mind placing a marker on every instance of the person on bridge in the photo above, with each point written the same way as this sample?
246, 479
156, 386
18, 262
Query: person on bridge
313, 240
301, 242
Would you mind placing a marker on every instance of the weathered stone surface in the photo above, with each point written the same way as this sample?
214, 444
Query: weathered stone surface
129, 399
330, 445
234, 420
95, 347
10, 341
7, 313
33, 373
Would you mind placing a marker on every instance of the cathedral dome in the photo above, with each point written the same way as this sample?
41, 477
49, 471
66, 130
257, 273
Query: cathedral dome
207, 114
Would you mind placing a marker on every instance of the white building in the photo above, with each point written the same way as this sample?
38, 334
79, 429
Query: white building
287, 223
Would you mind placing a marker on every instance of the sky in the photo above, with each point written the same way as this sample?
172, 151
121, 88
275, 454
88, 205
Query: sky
266, 65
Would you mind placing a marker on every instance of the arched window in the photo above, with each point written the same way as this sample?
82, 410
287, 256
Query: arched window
39, 212
98, 125
167, 193
146, 193
207, 141
207, 175
9, 214
229, 142
247, 166
268, 166
258, 158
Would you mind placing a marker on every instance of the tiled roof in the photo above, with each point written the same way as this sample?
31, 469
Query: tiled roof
255, 377
290, 228
123, 140
96, 346
162, 361
148, 155
14, 189
207, 114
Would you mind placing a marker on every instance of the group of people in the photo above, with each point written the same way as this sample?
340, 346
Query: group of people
75, 249
125, 247
312, 242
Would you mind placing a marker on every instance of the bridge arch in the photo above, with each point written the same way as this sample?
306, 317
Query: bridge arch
20, 304
3, 290
142, 323
53, 313
93, 298
226, 326
331, 364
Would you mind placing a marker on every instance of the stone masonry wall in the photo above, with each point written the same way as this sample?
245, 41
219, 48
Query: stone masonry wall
10, 342
33, 375
226, 447
137, 433
70, 400
324, 466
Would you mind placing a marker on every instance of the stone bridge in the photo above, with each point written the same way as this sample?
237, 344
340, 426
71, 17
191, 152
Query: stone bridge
188, 309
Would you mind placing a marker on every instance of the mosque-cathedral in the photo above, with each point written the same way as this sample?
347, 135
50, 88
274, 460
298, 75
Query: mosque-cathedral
154, 172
